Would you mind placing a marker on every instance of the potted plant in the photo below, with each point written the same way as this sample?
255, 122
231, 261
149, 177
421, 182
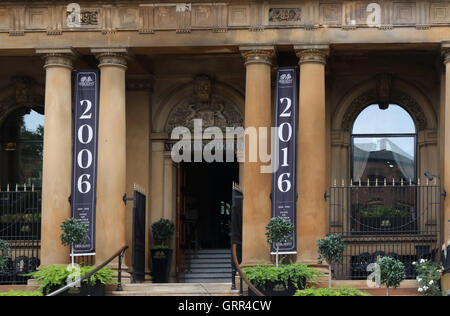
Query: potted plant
284, 280
390, 272
331, 249
74, 233
278, 231
54, 277
162, 231
281, 279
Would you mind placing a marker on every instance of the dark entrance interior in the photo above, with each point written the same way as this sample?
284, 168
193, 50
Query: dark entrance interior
206, 211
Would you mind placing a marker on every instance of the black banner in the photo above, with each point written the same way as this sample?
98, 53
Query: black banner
84, 191
284, 189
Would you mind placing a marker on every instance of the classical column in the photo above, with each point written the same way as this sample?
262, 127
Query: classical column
57, 162
111, 183
257, 186
446, 122
312, 221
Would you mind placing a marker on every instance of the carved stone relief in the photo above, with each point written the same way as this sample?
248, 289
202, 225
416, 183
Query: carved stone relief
371, 97
285, 15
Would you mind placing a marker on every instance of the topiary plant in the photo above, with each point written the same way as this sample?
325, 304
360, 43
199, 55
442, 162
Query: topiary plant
278, 231
392, 272
331, 249
163, 231
4, 253
74, 233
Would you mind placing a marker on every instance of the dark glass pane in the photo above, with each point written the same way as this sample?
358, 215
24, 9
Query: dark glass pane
25, 123
21, 163
393, 120
379, 158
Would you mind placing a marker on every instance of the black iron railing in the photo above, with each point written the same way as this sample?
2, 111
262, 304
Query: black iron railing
20, 227
397, 219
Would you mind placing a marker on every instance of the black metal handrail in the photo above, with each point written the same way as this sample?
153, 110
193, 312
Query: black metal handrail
242, 274
119, 254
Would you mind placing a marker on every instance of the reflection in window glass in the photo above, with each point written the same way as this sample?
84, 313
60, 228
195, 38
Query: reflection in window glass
393, 120
388, 154
21, 152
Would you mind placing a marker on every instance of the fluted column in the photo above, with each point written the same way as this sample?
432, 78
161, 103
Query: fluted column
446, 180
111, 182
312, 221
57, 161
256, 185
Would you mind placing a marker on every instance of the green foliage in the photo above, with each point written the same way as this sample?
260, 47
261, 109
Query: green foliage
20, 218
392, 272
384, 211
21, 293
331, 249
294, 273
163, 231
344, 291
4, 253
74, 232
279, 230
429, 276
56, 276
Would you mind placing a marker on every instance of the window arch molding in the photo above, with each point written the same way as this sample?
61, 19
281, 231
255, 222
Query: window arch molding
365, 93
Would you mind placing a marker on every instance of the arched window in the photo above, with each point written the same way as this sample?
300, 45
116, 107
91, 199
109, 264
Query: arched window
384, 145
21, 151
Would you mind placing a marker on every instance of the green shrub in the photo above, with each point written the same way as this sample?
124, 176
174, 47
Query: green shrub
344, 291
429, 277
4, 253
163, 231
56, 276
278, 231
260, 275
21, 293
391, 272
74, 232
331, 249
384, 211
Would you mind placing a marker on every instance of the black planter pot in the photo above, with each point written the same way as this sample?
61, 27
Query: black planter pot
86, 289
161, 263
393, 225
278, 289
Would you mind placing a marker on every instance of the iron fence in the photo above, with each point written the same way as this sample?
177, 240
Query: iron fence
398, 219
20, 227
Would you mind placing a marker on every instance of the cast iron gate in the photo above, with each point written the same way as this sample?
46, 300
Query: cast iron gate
398, 219
139, 236
20, 229
236, 229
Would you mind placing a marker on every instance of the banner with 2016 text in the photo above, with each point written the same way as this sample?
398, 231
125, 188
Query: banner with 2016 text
284, 187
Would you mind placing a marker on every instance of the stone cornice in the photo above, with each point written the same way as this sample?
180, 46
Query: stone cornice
19, 17
258, 54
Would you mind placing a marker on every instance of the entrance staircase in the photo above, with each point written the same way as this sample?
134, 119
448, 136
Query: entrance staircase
176, 289
207, 266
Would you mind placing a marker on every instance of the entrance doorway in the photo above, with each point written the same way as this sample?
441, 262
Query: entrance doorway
205, 204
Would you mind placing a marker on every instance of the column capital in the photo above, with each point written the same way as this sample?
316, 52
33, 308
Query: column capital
257, 54
446, 52
58, 57
312, 53
111, 56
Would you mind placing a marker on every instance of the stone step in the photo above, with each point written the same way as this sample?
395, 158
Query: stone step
209, 265
208, 256
210, 261
206, 275
214, 280
211, 269
176, 289
201, 251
